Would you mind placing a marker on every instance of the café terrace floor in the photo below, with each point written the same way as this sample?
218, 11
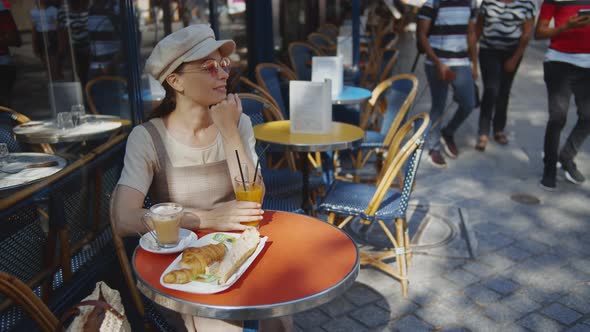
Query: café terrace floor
484, 261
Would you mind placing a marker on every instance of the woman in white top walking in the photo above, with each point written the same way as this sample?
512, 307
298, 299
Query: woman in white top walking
504, 29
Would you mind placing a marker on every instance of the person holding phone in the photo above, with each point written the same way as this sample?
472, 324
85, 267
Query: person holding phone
566, 72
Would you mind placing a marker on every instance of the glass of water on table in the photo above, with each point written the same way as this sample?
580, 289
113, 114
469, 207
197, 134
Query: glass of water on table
78, 113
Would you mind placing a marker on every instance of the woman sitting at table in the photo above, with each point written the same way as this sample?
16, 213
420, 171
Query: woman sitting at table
186, 152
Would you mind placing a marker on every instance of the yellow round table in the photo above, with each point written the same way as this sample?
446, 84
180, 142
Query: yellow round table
342, 136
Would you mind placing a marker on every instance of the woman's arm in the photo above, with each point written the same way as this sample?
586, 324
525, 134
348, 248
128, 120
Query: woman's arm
512, 62
226, 115
127, 209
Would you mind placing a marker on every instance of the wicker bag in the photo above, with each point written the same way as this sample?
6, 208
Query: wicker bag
100, 311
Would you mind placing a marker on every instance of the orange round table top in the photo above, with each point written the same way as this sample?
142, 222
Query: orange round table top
305, 263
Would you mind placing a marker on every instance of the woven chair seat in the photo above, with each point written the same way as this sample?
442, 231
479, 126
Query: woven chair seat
351, 198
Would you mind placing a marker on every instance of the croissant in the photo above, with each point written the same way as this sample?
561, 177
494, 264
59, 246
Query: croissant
178, 277
195, 261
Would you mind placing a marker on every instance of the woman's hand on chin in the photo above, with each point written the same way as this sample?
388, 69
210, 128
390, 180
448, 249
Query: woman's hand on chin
226, 114
229, 215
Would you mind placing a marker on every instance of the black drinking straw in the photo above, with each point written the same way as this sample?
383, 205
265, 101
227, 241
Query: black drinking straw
241, 172
258, 162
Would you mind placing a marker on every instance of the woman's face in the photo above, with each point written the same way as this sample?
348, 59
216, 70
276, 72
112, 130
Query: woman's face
202, 82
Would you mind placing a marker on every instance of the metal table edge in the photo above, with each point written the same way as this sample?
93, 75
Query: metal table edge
250, 312
321, 148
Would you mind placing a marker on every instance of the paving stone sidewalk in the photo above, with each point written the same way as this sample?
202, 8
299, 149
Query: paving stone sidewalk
532, 270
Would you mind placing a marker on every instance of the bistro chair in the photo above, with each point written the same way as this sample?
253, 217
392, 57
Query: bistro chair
105, 96
79, 205
369, 206
322, 42
283, 158
386, 110
19, 293
300, 55
64, 95
10, 118
329, 29
247, 86
283, 183
274, 78
379, 67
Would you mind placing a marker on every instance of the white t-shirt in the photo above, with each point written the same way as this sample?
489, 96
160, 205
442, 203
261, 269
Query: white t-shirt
141, 159
44, 19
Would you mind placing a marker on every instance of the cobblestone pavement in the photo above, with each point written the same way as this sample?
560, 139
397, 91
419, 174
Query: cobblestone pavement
532, 270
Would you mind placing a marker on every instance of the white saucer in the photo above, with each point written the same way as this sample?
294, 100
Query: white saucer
148, 243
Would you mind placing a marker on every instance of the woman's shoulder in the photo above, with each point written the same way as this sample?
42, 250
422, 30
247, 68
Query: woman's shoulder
139, 133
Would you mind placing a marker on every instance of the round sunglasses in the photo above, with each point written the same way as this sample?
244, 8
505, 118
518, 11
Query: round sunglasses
212, 66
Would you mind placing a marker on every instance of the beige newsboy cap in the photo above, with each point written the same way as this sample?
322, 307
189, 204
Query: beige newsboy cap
188, 44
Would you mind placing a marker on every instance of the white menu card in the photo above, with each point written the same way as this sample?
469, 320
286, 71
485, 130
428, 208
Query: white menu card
310, 107
345, 49
328, 68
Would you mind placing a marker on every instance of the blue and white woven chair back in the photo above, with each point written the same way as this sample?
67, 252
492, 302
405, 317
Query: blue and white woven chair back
300, 55
400, 93
108, 94
272, 82
406, 160
411, 166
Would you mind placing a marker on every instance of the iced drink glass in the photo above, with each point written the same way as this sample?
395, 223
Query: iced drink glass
249, 191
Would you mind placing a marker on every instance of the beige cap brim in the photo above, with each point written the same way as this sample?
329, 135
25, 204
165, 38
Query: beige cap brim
203, 49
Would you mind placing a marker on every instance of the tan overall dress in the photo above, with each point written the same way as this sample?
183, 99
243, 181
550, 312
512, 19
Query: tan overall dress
198, 186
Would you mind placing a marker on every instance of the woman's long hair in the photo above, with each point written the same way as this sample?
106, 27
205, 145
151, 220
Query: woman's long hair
168, 104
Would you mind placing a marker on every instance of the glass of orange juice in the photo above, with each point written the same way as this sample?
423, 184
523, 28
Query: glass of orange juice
249, 191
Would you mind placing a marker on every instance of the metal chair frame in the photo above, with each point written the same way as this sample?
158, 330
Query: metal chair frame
23, 296
75, 221
296, 65
322, 42
400, 150
92, 82
377, 106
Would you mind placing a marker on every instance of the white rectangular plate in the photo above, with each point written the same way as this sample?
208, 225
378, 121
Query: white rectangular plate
201, 287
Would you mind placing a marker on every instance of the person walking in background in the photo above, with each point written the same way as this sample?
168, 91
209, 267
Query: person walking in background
104, 28
446, 32
9, 36
73, 32
566, 72
45, 40
505, 28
